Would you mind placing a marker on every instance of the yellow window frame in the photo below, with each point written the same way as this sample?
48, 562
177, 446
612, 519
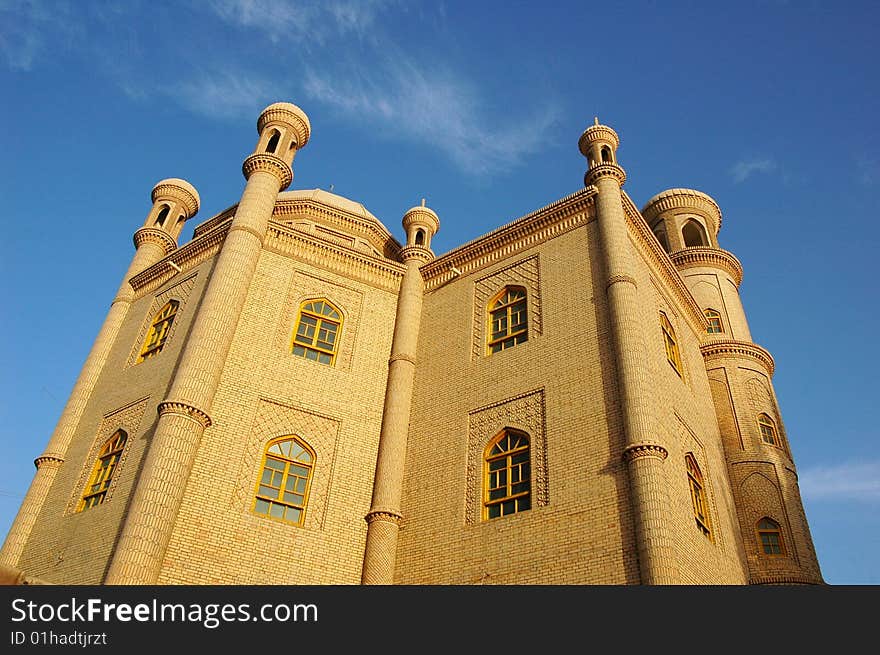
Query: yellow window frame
507, 479
318, 318
769, 528
278, 495
671, 343
714, 318
767, 429
159, 329
103, 469
510, 308
699, 501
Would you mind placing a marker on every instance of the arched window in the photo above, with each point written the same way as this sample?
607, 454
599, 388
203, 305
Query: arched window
317, 331
606, 155
507, 319
660, 233
669, 340
714, 319
272, 146
698, 495
768, 429
770, 537
420, 237
158, 333
102, 471
507, 475
694, 234
283, 487
163, 214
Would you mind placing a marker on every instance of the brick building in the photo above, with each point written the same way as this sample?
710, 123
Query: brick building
295, 397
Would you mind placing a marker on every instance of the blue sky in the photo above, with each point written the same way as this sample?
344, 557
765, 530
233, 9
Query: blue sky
768, 106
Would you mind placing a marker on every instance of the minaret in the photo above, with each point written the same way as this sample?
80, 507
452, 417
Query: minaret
643, 451
186, 411
384, 517
174, 201
776, 538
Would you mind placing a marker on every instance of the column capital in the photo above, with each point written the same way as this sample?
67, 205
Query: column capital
268, 163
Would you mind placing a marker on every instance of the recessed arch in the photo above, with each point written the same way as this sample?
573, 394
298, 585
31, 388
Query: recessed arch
507, 474
694, 234
103, 469
285, 479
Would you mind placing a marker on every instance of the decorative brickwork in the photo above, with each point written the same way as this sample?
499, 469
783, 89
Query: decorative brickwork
275, 419
180, 291
126, 418
526, 413
526, 273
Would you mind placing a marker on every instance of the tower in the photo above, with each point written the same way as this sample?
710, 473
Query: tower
644, 451
186, 412
775, 535
385, 517
174, 201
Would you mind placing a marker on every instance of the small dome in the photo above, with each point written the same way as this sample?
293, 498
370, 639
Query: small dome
289, 114
180, 190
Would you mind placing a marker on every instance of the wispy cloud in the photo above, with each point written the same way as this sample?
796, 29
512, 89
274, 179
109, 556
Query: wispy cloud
745, 168
869, 171
434, 107
294, 21
30, 30
849, 481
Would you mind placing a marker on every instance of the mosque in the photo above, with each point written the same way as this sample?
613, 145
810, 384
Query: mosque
295, 397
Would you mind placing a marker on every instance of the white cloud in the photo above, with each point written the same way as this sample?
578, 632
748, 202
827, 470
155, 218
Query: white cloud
744, 169
432, 107
30, 29
304, 21
869, 171
849, 481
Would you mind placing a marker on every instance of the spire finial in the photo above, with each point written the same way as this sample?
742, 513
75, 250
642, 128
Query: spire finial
595, 120
423, 202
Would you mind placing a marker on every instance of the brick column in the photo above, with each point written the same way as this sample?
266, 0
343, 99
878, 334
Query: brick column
384, 517
643, 452
185, 413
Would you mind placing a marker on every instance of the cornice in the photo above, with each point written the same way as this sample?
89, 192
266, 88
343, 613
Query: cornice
710, 257
386, 515
635, 451
525, 232
598, 170
185, 258
214, 221
52, 459
663, 265
784, 578
380, 273
373, 231
416, 252
183, 409
154, 235
263, 161
728, 348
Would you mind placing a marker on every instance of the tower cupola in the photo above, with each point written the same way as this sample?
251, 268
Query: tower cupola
284, 128
683, 218
599, 145
421, 224
174, 201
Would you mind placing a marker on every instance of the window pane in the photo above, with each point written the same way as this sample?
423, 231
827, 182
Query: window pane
276, 511
261, 507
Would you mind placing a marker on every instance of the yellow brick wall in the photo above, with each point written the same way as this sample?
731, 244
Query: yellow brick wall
264, 392
584, 533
